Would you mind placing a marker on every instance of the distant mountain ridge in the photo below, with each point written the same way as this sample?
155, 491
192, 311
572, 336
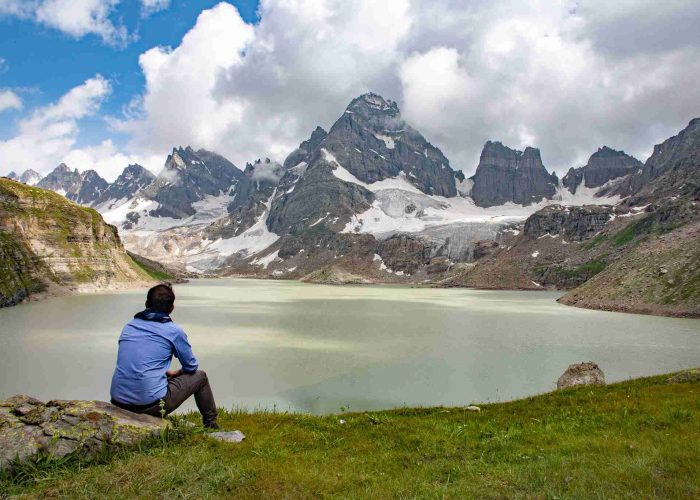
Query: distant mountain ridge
371, 196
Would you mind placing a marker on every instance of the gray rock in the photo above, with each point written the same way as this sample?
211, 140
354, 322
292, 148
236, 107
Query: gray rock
692, 375
82, 188
228, 437
581, 374
372, 142
30, 428
187, 177
62, 179
572, 223
604, 165
30, 177
133, 179
507, 175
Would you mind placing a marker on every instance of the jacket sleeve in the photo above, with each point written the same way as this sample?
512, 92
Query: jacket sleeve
184, 354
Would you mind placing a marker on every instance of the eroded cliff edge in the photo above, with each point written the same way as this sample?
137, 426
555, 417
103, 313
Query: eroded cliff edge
49, 244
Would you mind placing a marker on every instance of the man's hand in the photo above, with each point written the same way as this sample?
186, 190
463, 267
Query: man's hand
172, 373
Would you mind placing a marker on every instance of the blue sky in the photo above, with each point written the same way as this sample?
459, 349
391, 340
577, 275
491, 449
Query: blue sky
251, 80
42, 63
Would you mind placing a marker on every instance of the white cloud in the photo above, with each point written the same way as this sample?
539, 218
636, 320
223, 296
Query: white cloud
564, 76
526, 73
48, 134
149, 7
75, 18
9, 100
109, 160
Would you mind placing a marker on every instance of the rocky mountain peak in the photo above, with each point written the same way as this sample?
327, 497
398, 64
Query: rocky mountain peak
187, 177
30, 177
603, 166
12, 175
373, 143
62, 180
372, 104
509, 175
133, 179
306, 149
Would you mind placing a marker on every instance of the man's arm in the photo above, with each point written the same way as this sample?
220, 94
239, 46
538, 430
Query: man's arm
184, 354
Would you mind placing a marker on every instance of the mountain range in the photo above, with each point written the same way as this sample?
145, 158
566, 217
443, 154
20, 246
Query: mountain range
371, 199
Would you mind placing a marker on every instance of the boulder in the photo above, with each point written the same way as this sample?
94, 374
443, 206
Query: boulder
581, 374
229, 436
30, 428
692, 375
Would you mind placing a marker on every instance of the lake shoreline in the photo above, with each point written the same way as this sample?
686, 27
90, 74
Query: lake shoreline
617, 307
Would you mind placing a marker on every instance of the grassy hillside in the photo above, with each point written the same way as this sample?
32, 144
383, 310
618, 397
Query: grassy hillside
48, 241
634, 439
658, 275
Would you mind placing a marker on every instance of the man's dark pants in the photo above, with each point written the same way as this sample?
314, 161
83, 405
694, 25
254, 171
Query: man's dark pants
182, 387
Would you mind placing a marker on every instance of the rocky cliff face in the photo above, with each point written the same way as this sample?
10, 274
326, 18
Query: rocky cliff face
373, 143
91, 188
507, 175
30, 177
572, 223
639, 256
49, 242
63, 180
189, 176
251, 199
133, 179
604, 165
83, 188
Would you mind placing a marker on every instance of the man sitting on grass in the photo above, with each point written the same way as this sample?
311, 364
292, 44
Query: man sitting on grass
142, 382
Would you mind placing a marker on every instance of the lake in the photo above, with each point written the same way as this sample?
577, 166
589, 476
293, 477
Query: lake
316, 348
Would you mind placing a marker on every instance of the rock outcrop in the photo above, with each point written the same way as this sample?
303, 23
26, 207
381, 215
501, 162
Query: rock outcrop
371, 142
30, 429
30, 177
573, 223
507, 175
604, 165
187, 177
581, 374
47, 241
63, 180
692, 375
133, 179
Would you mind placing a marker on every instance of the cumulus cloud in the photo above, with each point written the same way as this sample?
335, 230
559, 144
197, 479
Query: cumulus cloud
567, 77
75, 18
250, 91
49, 133
9, 100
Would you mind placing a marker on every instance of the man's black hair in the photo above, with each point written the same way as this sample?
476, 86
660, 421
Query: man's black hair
160, 298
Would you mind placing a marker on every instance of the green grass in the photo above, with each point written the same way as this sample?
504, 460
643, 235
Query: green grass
156, 274
594, 242
634, 439
626, 235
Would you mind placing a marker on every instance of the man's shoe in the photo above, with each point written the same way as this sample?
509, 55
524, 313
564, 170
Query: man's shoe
212, 425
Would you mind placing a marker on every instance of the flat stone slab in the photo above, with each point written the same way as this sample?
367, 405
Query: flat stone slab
228, 437
30, 428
